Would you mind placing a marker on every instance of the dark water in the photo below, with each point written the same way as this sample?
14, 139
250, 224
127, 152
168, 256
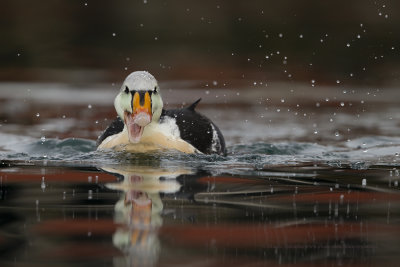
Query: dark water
303, 183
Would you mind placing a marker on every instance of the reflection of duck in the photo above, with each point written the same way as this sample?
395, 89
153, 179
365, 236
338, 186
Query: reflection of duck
143, 125
139, 210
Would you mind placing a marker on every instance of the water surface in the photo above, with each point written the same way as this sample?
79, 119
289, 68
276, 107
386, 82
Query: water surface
311, 177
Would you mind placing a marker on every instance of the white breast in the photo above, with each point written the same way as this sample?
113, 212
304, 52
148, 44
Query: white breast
156, 137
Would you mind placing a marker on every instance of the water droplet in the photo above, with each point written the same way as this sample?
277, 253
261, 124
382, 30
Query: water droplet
207, 92
342, 104
396, 154
38, 115
215, 83
348, 45
89, 106
280, 35
43, 139
114, 34
337, 134
283, 100
90, 194
337, 81
301, 36
364, 182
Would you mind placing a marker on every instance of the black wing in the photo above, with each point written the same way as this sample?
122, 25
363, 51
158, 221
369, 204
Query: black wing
115, 127
197, 129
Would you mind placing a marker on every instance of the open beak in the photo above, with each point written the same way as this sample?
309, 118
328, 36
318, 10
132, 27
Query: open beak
141, 116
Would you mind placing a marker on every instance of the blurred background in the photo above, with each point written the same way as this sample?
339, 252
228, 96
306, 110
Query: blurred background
87, 41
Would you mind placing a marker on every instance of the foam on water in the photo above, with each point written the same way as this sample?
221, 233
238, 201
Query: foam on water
253, 156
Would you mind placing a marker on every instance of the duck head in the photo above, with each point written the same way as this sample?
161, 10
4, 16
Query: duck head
138, 103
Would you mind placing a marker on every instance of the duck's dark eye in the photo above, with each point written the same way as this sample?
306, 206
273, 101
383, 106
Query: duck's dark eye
155, 90
126, 90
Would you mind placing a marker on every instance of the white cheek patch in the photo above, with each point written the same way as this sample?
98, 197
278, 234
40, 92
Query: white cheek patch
122, 103
157, 106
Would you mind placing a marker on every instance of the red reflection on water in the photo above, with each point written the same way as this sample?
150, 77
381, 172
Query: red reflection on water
249, 235
60, 175
81, 251
76, 227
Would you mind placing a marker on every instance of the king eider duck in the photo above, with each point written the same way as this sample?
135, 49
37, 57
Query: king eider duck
143, 125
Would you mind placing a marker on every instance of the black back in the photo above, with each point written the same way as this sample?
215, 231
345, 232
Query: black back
194, 128
197, 129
